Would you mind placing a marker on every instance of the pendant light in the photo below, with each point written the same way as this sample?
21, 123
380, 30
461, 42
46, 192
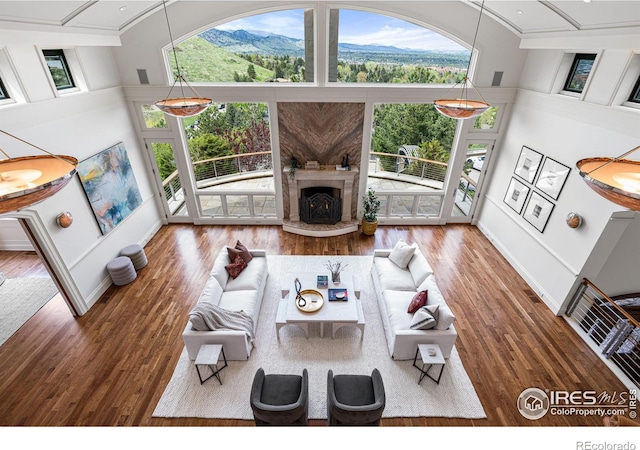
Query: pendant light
27, 180
184, 106
616, 179
463, 108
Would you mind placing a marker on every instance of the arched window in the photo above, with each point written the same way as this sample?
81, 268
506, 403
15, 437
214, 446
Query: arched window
366, 47
270, 47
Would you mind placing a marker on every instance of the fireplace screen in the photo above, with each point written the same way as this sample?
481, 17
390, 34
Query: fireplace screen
320, 206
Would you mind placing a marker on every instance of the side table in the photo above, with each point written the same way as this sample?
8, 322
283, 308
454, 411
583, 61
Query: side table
431, 355
209, 355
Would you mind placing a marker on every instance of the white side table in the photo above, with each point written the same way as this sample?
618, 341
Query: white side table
209, 355
431, 355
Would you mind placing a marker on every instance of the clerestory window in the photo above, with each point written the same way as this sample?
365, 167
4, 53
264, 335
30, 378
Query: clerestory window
579, 73
59, 69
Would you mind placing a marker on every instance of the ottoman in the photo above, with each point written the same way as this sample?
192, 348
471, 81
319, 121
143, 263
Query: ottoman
136, 254
121, 270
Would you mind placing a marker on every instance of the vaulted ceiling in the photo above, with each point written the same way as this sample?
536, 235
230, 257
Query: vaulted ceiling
526, 19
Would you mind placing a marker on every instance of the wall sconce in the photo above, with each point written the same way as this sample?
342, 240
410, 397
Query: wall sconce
574, 220
64, 219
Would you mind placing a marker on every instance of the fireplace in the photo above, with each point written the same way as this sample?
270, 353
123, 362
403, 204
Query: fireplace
320, 205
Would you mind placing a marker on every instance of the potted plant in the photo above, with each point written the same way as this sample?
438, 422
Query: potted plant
371, 206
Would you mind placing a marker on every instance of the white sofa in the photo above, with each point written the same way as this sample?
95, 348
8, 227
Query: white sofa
242, 293
395, 287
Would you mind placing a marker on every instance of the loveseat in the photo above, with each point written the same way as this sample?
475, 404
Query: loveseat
243, 293
396, 285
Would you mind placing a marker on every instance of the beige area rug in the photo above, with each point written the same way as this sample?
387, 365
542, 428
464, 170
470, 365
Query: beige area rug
453, 397
20, 299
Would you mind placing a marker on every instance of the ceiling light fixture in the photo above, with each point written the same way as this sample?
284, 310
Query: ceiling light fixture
27, 180
463, 108
181, 106
616, 179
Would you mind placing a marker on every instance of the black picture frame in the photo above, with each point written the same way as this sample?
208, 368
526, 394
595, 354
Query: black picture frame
516, 195
552, 178
528, 164
538, 211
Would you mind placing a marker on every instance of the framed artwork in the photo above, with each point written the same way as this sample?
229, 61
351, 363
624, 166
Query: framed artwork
528, 164
538, 211
516, 195
110, 185
552, 177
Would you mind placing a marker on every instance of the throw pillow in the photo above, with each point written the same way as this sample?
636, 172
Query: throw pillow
417, 302
239, 249
237, 266
401, 254
445, 318
425, 318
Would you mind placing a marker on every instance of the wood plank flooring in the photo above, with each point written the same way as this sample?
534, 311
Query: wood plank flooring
110, 366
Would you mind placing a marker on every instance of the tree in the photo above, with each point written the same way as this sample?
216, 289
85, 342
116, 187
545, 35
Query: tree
251, 72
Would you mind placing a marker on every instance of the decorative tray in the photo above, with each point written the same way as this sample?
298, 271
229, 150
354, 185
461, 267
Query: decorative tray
314, 299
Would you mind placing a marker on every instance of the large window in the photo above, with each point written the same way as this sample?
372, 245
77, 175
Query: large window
230, 150
373, 48
57, 63
579, 73
271, 47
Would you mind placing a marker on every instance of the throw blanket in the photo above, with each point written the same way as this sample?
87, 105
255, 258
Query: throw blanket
206, 316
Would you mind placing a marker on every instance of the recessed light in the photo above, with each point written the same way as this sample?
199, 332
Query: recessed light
519, 11
122, 8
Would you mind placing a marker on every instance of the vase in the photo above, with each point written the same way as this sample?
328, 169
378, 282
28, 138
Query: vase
369, 228
335, 277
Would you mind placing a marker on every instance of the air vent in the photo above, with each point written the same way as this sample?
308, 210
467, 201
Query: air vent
142, 76
497, 78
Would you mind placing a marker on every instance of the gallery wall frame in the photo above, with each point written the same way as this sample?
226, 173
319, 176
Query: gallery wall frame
538, 211
553, 176
110, 185
528, 164
516, 195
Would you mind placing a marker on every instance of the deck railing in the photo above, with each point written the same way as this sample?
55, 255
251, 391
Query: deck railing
608, 325
210, 171
420, 168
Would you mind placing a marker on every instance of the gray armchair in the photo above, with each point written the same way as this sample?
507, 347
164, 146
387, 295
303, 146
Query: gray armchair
355, 399
280, 399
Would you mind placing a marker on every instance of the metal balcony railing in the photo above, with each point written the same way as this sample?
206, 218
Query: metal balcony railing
610, 325
210, 171
419, 168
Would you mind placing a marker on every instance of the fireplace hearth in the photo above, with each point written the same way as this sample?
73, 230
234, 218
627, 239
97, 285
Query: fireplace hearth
320, 205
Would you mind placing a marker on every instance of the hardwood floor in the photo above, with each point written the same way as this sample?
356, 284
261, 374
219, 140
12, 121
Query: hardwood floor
110, 366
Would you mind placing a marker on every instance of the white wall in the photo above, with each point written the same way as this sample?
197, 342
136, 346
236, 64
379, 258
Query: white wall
13, 237
81, 124
566, 129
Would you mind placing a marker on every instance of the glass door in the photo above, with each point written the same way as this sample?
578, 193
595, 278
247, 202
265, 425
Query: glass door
167, 178
470, 181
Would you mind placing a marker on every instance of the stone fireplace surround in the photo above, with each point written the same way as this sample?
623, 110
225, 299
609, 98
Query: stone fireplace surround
327, 176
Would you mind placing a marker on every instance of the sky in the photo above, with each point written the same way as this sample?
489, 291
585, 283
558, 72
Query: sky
356, 27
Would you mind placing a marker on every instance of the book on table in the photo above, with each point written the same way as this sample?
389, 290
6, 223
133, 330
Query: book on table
323, 281
338, 294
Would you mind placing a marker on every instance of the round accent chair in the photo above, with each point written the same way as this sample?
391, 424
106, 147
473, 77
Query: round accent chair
355, 399
280, 400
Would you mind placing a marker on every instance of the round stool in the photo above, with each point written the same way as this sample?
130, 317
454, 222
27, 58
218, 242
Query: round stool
136, 254
121, 270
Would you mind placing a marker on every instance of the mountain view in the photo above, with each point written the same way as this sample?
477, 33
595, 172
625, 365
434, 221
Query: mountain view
245, 56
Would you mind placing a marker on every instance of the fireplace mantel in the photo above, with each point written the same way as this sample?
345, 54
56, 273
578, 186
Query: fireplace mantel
326, 176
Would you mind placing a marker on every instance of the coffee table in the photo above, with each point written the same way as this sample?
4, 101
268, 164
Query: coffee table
331, 312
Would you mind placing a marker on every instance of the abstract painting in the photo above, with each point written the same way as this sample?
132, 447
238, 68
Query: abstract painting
110, 185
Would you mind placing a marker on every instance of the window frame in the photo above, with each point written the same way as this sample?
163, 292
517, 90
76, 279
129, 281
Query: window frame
65, 65
634, 97
574, 66
4, 93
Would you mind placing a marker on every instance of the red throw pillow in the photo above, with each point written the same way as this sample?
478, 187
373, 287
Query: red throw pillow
417, 302
237, 266
241, 250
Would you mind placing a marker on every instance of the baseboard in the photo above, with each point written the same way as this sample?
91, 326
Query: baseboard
554, 306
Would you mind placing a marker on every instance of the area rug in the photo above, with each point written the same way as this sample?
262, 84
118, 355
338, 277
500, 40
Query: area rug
20, 299
346, 354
